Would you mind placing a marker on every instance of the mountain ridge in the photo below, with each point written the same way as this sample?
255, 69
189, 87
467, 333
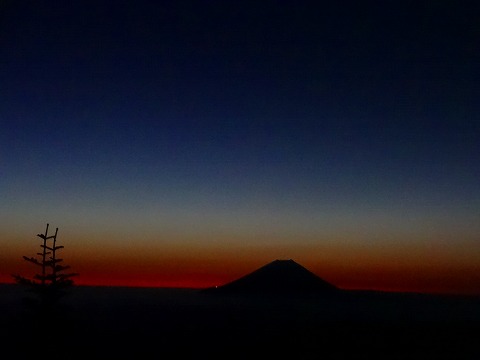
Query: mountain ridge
278, 276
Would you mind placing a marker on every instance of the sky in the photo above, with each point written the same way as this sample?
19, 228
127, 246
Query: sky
187, 143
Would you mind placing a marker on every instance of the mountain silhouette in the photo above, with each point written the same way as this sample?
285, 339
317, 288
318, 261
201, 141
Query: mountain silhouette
279, 276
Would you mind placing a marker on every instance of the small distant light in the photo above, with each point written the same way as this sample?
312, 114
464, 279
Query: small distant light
216, 286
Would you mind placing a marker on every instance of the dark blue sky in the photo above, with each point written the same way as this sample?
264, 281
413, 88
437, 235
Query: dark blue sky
375, 61
248, 112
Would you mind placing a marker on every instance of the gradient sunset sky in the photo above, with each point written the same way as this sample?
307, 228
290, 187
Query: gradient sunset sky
187, 143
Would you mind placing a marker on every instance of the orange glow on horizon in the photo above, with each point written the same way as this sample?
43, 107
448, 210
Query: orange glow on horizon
195, 265
363, 278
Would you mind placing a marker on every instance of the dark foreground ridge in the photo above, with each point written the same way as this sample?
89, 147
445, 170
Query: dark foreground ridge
147, 323
278, 277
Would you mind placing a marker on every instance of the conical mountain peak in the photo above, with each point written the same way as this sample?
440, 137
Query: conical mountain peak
278, 276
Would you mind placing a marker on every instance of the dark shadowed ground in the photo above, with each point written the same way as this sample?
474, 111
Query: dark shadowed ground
166, 323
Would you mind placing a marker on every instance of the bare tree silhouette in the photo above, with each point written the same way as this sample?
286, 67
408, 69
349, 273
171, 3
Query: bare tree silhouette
50, 282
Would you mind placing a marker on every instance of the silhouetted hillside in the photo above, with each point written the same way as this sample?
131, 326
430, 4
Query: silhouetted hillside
279, 277
133, 323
